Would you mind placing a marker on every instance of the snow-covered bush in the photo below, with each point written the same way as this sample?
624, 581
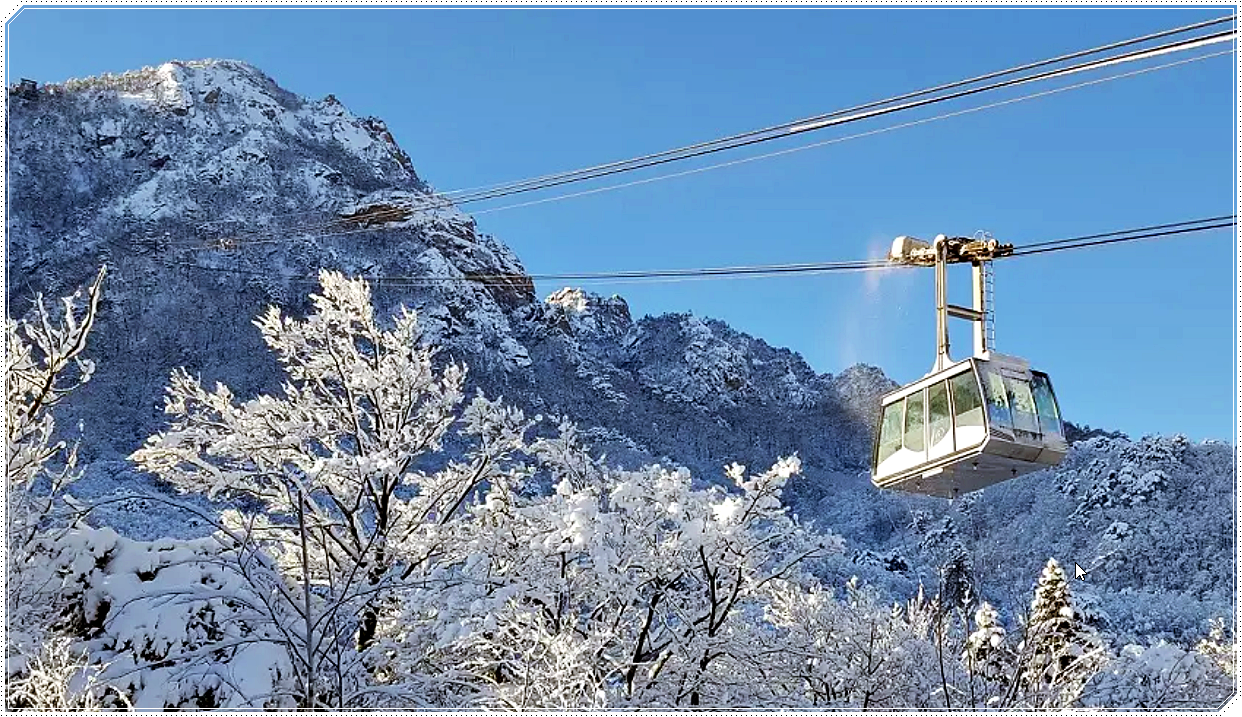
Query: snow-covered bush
1167, 676
168, 623
59, 678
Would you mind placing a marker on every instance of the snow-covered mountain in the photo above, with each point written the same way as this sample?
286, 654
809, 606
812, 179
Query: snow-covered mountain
211, 192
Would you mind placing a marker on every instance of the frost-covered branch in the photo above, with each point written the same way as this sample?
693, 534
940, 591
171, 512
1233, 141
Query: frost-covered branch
44, 363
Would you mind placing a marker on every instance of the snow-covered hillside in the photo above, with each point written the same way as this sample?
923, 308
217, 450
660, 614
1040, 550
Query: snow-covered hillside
210, 192
159, 172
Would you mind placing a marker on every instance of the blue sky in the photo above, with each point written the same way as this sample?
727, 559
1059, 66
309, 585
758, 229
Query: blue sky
1139, 337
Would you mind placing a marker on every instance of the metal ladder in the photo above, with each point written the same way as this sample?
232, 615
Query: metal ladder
989, 292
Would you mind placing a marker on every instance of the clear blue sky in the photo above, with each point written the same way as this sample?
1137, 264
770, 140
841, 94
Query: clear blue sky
1138, 337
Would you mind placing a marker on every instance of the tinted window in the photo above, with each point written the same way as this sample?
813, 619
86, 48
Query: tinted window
967, 403
914, 423
1045, 404
998, 401
890, 431
1021, 404
939, 423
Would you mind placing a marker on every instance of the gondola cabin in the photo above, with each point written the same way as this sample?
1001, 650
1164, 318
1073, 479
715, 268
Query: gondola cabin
976, 423
972, 423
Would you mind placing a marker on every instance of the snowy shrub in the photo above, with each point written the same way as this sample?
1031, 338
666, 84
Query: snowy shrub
1161, 676
60, 678
176, 623
1218, 649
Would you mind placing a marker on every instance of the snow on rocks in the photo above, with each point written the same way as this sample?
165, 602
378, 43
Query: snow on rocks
581, 313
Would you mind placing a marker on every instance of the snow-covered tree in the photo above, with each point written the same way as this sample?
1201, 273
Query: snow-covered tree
850, 651
64, 579
1058, 654
945, 550
1168, 676
388, 578
987, 657
362, 565
645, 591
346, 513
44, 362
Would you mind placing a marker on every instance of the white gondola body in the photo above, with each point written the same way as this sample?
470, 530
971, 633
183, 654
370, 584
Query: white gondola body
974, 423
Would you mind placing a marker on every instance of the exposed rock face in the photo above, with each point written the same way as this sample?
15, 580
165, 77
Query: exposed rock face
579, 313
211, 191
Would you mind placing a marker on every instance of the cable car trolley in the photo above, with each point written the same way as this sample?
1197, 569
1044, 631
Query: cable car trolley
971, 423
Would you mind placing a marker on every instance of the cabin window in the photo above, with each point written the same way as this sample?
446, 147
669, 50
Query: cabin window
967, 410
890, 431
913, 440
1045, 404
1022, 405
998, 402
940, 420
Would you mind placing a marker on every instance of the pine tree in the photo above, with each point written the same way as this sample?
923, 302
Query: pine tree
985, 651
945, 548
956, 578
1059, 653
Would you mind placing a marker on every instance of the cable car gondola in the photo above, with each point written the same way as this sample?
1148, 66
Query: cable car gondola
971, 423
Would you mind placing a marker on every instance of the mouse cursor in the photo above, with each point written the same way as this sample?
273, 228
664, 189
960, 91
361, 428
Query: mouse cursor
1079, 573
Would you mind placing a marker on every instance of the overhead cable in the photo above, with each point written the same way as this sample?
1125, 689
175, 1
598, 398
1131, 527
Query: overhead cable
837, 119
278, 236
786, 126
769, 270
1128, 238
837, 140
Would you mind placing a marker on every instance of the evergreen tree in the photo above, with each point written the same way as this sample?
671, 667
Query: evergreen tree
1059, 653
986, 655
956, 589
945, 549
